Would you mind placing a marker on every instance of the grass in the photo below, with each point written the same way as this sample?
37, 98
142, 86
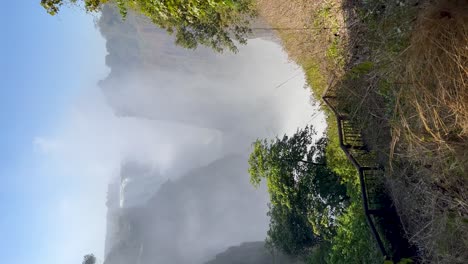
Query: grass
420, 75
401, 71
318, 48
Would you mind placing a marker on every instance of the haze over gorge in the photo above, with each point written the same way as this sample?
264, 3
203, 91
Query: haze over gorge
183, 194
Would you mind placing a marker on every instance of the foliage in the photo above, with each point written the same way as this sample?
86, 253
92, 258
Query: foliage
360, 70
89, 259
305, 194
419, 52
337, 159
289, 230
407, 68
402, 261
213, 23
353, 242
319, 253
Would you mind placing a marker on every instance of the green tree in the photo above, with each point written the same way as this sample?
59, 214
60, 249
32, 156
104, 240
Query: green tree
305, 194
353, 242
289, 230
89, 259
218, 24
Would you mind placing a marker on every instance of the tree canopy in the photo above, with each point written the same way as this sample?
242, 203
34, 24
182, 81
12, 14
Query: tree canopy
89, 259
305, 195
218, 24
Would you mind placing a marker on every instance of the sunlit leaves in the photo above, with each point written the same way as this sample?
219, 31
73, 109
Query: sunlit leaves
53, 6
216, 24
305, 194
353, 242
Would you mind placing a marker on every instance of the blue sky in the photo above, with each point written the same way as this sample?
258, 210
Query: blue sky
46, 62
61, 143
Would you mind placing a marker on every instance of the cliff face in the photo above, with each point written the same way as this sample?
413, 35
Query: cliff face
223, 102
191, 219
112, 216
138, 183
137, 42
152, 78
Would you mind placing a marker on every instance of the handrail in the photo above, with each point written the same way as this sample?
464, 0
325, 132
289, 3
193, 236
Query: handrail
346, 147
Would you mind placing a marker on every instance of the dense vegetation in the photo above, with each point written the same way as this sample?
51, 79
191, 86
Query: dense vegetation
89, 259
305, 194
312, 213
216, 24
400, 69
